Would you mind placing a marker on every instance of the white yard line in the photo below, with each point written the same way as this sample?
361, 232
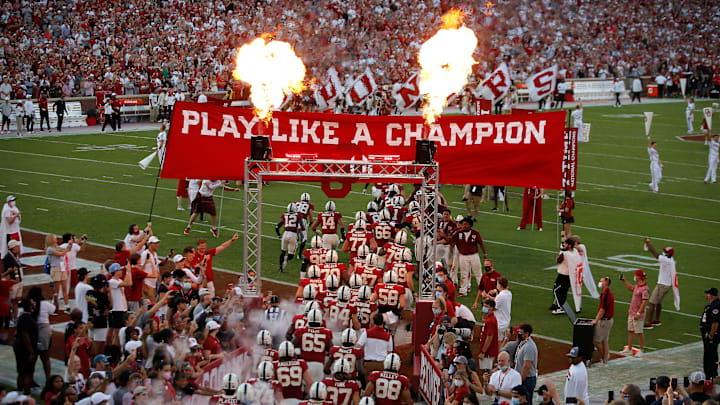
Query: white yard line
107, 162
650, 191
642, 159
637, 173
693, 335
670, 341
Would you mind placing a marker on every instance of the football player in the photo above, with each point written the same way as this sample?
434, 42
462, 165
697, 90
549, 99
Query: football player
341, 388
315, 255
291, 372
393, 250
332, 283
362, 310
305, 214
331, 266
390, 297
355, 283
389, 387
369, 272
350, 353
288, 241
405, 270
264, 341
300, 320
359, 259
360, 235
373, 214
329, 222
338, 309
230, 384
318, 395
245, 394
313, 278
314, 341
267, 390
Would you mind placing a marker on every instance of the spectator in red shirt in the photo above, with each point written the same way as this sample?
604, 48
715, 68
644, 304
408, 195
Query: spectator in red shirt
566, 213
488, 282
52, 390
44, 111
134, 293
604, 320
443, 277
212, 348
5, 286
489, 338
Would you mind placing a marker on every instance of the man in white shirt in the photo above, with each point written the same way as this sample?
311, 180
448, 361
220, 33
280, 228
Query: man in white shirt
577, 379
690, 114
118, 313
162, 105
660, 80
153, 102
561, 89
636, 89
577, 118
161, 142
202, 98
666, 279
29, 109
619, 88
566, 260
81, 289
9, 224
656, 166
713, 148
205, 204
503, 307
150, 264
502, 381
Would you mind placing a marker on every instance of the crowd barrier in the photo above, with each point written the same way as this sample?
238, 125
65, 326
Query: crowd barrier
213, 373
430, 386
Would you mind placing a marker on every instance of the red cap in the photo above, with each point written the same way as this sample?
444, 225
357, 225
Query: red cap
640, 274
669, 251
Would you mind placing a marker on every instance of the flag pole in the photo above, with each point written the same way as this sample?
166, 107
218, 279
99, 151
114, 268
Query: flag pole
222, 199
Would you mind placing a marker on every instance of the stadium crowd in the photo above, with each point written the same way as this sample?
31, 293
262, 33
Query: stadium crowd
143, 328
78, 48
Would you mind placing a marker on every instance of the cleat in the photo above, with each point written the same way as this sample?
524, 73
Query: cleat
187, 231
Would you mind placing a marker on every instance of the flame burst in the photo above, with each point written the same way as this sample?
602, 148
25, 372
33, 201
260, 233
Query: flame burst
272, 69
446, 61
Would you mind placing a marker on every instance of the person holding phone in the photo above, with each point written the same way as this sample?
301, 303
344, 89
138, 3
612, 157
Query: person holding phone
662, 383
576, 387
709, 330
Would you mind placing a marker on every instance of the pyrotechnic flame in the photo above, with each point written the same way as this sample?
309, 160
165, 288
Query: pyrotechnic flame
446, 60
272, 69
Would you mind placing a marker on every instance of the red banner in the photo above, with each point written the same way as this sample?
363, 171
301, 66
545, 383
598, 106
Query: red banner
570, 159
430, 382
527, 150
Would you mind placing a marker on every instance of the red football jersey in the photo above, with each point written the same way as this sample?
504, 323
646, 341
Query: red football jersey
340, 392
393, 253
315, 256
304, 208
383, 232
223, 399
329, 222
448, 228
415, 221
339, 314
290, 375
314, 342
399, 214
356, 261
363, 310
388, 387
265, 391
403, 269
389, 294
269, 355
290, 222
370, 276
373, 217
349, 354
299, 321
332, 268
319, 283
357, 238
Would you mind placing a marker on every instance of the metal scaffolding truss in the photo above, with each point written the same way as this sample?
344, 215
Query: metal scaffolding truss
257, 171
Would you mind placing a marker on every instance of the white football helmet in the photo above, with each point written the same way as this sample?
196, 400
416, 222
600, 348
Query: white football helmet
292, 208
385, 215
305, 197
341, 366
264, 338
332, 282
414, 206
363, 251
230, 382
394, 189
371, 260
310, 305
365, 293
392, 362
318, 391
390, 277
309, 292
331, 256
314, 271
245, 393
361, 224
266, 371
399, 201
360, 215
407, 255
366, 401
330, 206
316, 242
401, 237
349, 337
459, 218
286, 350
372, 206
344, 294
314, 316
355, 281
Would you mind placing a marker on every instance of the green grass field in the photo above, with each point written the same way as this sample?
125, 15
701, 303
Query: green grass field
92, 184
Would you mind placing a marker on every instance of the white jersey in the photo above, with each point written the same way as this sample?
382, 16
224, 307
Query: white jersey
577, 383
207, 188
713, 148
667, 269
689, 110
161, 141
654, 155
577, 117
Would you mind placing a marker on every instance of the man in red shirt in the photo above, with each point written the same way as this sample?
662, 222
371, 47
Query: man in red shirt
313, 256
44, 111
203, 253
212, 347
359, 236
362, 309
314, 341
488, 282
446, 230
604, 320
342, 388
467, 241
389, 387
134, 293
389, 295
489, 338
329, 222
349, 353
291, 372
